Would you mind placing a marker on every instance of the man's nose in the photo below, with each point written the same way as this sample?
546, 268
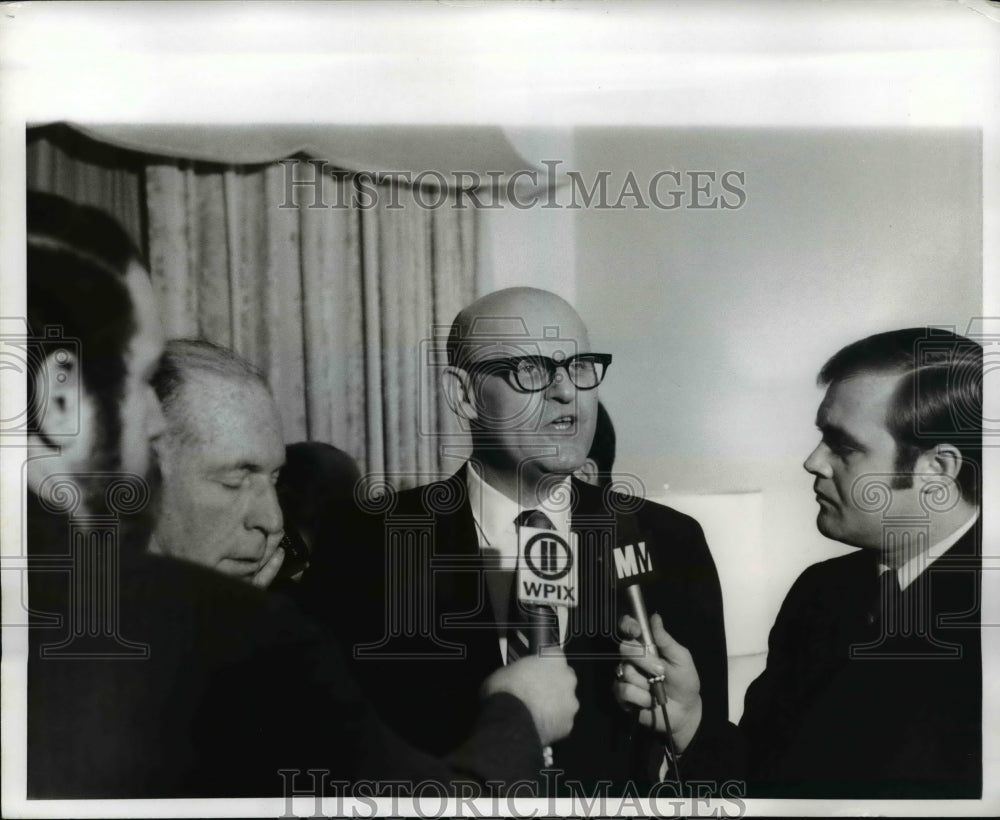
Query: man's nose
561, 389
817, 462
265, 514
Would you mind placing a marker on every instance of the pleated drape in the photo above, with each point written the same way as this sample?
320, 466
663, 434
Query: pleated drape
339, 307
344, 309
59, 162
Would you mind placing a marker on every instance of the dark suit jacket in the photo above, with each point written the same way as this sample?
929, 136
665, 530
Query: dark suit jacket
407, 593
229, 685
901, 717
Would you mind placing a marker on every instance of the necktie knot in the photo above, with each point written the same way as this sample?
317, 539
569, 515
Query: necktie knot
534, 518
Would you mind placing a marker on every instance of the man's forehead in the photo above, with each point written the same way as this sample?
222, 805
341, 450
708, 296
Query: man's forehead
225, 407
860, 399
556, 348
228, 396
539, 327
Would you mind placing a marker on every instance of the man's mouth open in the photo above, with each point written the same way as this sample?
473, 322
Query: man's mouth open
563, 424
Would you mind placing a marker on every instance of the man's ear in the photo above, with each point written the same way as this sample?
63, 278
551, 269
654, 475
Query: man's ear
58, 403
588, 472
457, 386
942, 460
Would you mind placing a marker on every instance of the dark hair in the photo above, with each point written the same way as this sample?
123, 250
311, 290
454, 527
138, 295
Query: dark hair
939, 397
314, 475
77, 258
602, 449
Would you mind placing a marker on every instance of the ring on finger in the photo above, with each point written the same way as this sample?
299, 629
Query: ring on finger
620, 671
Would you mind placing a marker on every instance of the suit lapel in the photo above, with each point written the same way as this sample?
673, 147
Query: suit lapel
462, 605
592, 527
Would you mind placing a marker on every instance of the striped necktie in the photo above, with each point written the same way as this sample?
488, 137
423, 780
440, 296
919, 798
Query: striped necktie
530, 626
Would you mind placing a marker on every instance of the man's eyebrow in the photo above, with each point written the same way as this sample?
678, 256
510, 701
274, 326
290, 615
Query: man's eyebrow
243, 466
831, 432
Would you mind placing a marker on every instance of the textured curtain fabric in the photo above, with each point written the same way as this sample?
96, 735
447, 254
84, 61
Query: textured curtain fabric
344, 309
59, 161
338, 306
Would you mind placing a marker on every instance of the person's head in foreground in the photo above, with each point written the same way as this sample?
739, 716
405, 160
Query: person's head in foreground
94, 346
901, 437
220, 459
523, 377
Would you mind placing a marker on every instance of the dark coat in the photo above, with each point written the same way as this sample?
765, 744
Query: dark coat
422, 658
840, 711
215, 687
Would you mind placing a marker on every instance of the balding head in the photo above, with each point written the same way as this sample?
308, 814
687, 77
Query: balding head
502, 350
514, 322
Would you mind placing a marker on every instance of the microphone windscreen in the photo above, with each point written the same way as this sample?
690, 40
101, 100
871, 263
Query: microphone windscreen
632, 560
546, 568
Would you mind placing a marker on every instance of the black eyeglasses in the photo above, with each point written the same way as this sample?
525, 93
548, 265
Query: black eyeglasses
532, 374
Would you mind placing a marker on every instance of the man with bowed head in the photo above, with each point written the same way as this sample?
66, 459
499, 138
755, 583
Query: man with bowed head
220, 457
428, 594
176, 681
873, 684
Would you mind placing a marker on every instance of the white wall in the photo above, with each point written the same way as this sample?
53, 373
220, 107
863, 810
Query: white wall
533, 245
720, 319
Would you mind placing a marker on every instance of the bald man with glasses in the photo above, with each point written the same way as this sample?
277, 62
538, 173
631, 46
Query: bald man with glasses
433, 604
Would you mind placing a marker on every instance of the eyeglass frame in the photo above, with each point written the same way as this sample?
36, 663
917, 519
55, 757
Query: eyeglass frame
508, 366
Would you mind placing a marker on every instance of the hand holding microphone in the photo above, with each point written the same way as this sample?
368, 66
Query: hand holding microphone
547, 686
681, 683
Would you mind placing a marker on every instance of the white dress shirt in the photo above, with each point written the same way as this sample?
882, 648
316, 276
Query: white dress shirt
494, 514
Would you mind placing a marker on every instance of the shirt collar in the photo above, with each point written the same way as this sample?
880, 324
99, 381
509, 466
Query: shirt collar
494, 513
912, 569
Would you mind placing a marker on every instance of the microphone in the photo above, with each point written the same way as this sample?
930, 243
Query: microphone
634, 566
546, 578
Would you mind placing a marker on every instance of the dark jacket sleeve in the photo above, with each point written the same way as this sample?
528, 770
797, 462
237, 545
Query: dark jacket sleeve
769, 714
503, 745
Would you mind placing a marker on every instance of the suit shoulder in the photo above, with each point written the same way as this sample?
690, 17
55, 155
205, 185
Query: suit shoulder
660, 519
831, 580
435, 498
664, 516
840, 567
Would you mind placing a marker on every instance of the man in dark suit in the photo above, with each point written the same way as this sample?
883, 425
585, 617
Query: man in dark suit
428, 595
152, 677
873, 679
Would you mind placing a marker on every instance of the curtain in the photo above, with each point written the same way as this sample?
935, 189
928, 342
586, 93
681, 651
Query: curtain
344, 309
58, 161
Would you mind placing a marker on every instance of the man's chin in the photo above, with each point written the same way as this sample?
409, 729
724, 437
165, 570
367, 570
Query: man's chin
826, 527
